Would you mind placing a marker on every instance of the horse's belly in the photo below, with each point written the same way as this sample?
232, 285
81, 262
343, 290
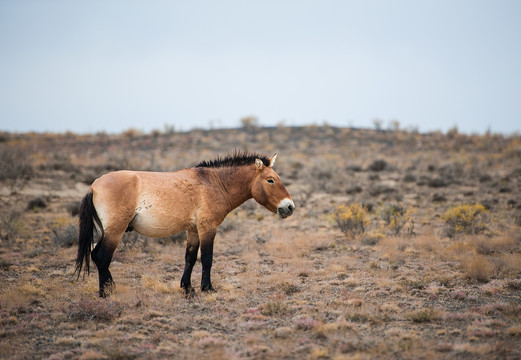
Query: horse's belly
159, 226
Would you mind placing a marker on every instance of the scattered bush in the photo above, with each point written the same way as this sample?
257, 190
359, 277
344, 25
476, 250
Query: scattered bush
132, 133
4, 136
178, 238
5, 264
517, 217
437, 182
11, 225
273, 308
438, 197
262, 238
249, 122
290, 289
302, 197
65, 236
305, 323
478, 268
132, 241
98, 309
354, 168
36, 204
410, 178
395, 217
489, 245
372, 238
423, 315
59, 161
354, 189
378, 165
465, 219
485, 178
514, 284
376, 190
228, 224
73, 208
352, 219
15, 167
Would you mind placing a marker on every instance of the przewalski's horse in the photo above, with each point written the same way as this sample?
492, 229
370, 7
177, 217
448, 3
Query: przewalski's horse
159, 204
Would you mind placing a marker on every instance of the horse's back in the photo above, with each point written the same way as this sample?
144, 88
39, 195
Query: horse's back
122, 180
134, 183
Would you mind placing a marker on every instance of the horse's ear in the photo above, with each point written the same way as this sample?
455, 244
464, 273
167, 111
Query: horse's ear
259, 164
272, 159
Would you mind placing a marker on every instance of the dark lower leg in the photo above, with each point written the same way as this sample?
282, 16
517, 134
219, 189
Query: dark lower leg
106, 283
102, 259
190, 259
206, 260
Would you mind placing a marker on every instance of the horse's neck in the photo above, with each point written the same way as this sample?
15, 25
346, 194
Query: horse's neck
237, 182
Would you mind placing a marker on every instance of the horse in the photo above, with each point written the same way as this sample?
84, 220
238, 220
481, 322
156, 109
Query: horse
160, 204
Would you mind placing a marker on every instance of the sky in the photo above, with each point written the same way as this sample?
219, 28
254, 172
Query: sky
92, 66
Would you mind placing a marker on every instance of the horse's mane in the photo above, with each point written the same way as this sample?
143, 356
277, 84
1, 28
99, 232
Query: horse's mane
237, 158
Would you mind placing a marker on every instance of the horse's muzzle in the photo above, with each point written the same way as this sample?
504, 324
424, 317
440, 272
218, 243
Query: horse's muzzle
285, 208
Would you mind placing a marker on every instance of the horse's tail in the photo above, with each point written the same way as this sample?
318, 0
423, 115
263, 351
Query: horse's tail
87, 217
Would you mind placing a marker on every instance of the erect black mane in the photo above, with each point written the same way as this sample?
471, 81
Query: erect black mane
237, 158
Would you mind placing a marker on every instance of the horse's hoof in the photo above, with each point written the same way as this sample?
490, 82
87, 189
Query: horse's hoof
189, 291
208, 288
108, 289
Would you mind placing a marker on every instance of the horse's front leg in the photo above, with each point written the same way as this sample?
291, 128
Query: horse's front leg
206, 259
192, 246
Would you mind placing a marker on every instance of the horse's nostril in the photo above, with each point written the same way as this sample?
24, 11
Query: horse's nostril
291, 207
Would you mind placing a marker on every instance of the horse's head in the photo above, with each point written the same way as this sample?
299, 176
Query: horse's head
268, 190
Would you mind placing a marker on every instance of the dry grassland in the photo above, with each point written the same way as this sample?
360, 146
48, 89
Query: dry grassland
434, 273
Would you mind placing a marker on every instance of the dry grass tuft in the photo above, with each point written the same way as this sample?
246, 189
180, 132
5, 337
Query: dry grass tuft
156, 284
489, 245
514, 331
17, 298
94, 309
272, 308
423, 315
478, 268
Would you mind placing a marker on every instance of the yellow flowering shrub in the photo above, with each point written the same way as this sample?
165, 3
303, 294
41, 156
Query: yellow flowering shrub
352, 219
465, 219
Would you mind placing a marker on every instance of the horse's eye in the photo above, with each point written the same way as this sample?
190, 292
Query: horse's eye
270, 181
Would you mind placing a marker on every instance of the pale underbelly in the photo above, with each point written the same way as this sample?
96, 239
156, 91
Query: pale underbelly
154, 226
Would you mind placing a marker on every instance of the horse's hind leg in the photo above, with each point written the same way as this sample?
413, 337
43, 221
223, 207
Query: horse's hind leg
192, 246
102, 257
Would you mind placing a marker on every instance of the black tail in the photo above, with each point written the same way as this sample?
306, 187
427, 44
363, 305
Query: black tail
87, 217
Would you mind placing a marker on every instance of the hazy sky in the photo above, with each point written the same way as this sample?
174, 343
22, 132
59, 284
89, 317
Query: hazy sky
89, 66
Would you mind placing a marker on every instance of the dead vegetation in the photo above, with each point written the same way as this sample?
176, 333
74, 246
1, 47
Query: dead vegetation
403, 245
